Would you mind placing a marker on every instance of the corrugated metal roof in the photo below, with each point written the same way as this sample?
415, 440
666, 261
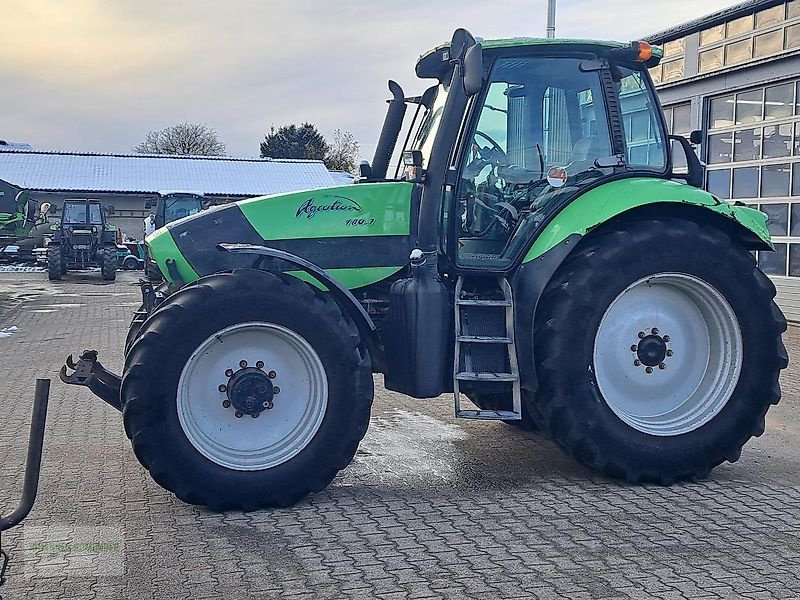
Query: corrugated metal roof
711, 20
148, 173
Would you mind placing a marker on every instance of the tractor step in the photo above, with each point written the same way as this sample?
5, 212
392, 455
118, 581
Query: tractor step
489, 415
474, 302
485, 354
498, 377
484, 339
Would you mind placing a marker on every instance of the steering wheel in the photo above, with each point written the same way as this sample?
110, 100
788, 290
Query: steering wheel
495, 147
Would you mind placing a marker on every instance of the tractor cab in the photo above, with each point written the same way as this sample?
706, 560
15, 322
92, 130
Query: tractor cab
171, 206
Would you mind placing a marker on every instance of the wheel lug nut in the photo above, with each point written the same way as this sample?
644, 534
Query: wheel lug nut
649, 370
255, 415
641, 334
637, 363
238, 414
276, 390
272, 374
243, 363
662, 366
666, 338
669, 352
223, 387
654, 331
634, 347
226, 403
228, 372
260, 364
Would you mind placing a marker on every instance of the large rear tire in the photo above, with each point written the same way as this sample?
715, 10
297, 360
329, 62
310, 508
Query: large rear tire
243, 332
55, 263
660, 350
108, 263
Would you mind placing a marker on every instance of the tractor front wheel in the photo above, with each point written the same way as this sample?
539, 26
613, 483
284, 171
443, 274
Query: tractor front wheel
660, 350
108, 263
56, 266
245, 390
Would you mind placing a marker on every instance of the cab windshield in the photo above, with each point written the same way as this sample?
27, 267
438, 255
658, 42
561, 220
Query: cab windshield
429, 125
75, 212
178, 207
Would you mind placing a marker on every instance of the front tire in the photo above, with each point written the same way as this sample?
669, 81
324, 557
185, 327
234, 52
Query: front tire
661, 349
108, 263
216, 333
55, 263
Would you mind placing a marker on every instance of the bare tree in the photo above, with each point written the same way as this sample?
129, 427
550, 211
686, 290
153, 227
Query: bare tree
184, 138
343, 152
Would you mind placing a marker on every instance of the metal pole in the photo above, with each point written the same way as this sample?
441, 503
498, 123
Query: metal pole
34, 462
551, 18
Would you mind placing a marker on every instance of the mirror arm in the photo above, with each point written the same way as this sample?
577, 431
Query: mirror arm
696, 171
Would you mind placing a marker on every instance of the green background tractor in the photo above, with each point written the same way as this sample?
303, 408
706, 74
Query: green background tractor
82, 239
534, 254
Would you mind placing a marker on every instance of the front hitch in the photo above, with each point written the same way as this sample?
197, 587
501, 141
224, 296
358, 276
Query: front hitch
90, 373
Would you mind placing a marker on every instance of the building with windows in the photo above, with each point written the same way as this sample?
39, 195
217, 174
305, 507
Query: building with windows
735, 75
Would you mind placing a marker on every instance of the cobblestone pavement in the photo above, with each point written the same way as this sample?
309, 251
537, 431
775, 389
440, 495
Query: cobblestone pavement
431, 507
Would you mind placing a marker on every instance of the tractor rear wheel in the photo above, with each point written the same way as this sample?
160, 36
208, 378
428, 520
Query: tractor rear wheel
661, 349
245, 390
55, 263
108, 263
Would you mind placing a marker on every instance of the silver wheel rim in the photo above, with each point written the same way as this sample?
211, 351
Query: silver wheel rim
700, 342
279, 433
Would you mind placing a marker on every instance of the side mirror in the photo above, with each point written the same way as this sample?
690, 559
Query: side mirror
473, 70
364, 170
696, 172
148, 204
462, 40
110, 209
53, 209
696, 137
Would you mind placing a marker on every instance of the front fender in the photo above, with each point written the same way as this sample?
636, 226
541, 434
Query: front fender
612, 199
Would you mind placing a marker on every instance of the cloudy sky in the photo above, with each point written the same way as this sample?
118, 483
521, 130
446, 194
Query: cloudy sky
96, 75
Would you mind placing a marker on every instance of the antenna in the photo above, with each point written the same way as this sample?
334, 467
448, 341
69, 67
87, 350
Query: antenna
551, 18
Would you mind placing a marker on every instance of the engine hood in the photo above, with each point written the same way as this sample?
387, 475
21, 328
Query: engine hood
360, 234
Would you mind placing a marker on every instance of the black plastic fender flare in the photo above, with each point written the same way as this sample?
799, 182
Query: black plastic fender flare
343, 297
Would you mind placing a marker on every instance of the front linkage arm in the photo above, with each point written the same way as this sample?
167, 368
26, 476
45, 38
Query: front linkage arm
90, 373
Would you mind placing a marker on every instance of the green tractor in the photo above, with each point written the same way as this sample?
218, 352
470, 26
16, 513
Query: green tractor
536, 256
18, 214
82, 239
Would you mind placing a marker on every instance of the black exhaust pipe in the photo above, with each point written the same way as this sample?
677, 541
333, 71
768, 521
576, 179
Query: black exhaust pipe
390, 132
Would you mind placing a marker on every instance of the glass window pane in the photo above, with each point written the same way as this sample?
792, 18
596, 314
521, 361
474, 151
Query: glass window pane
777, 218
673, 70
711, 35
793, 9
739, 26
773, 263
795, 180
775, 180
769, 16
768, 43
745, 182
778, 101
681, 119
747, 144
719, 183
748, 106
655, 74
674, 47
719, 148
794, 260
721, 112
738, 52
778, 141
795, 230
792, 36
796, 140
711, 59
